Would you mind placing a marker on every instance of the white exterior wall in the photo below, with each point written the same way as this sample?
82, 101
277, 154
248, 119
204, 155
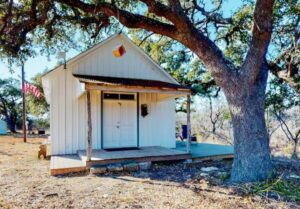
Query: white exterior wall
68, 112
63, 112
157, 128
69, 123
133, 64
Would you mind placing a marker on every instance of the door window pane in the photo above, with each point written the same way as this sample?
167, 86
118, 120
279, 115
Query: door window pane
110, 96
127, 96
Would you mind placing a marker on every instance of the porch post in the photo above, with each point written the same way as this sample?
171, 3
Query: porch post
188, 114
89, 136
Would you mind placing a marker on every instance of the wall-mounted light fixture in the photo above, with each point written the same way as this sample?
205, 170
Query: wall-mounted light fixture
144, 110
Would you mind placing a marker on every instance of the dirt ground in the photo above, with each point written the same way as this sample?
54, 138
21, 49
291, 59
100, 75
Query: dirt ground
25, 182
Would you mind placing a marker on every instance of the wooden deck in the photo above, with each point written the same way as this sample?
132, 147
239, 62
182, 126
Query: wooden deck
205, 151
153, 154
63, 164
200, 152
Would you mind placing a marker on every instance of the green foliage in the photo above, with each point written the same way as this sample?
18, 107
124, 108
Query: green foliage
278, 187
68, 27
280, 96
37, 106
236, 36
42, 123
284, 48
286, 24
226, 114
224, 176
10, 102
177, 60
163, 50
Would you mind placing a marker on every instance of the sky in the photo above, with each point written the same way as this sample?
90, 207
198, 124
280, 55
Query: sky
33, 66
41, 63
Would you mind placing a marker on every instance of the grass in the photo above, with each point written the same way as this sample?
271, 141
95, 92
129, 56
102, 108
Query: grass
278, 188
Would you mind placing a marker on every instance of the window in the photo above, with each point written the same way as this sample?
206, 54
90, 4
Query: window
110, 96
127, 96
117, 96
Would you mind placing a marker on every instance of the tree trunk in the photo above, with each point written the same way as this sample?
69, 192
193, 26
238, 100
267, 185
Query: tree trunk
12, 126
295, 155
252, 160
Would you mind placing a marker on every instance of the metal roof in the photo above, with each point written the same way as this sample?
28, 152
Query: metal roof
127, 81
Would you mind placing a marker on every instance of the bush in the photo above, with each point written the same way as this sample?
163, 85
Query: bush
276, 188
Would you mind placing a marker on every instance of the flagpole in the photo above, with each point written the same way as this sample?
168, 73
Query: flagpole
24, 104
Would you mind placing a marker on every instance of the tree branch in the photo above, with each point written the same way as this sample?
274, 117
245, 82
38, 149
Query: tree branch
14, 32
284, 127
126, 18
182, 30
261, 35
145, 38
212, 15
283, 76
173, 12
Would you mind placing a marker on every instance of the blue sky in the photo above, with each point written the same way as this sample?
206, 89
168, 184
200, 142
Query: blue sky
41, 63
33, 65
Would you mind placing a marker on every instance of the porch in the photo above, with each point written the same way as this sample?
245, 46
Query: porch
128, 108
207, 151
63, 164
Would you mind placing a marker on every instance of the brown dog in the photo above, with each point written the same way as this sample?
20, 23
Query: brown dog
42, 151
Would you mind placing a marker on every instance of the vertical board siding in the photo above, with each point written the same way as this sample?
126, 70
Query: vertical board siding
96, 119
131, 65
158, 127
74, 130
69, 115
68, 110
60, 107
69, 120
54, 119
82, 120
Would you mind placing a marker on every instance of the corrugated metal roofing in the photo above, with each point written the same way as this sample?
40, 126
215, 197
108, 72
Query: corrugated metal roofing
127, 81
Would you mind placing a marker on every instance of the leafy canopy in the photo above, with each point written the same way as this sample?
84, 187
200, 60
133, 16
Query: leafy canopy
10, 102
30, 27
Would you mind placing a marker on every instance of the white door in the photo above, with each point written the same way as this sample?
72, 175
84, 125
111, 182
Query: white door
119, 120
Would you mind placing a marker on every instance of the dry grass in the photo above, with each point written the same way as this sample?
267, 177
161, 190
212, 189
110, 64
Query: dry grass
25, 182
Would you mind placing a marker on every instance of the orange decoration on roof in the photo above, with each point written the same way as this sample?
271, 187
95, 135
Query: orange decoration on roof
119, 51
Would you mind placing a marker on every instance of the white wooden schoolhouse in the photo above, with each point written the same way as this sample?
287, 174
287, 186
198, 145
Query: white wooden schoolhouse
112, 96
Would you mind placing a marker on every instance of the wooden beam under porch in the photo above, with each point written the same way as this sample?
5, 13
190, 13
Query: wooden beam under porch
134, 89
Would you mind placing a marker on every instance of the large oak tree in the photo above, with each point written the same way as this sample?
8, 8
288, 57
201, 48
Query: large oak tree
244, 85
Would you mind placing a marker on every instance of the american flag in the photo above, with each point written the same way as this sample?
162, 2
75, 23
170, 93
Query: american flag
31, 89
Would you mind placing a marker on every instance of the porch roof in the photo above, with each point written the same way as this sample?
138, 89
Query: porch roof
129, 82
